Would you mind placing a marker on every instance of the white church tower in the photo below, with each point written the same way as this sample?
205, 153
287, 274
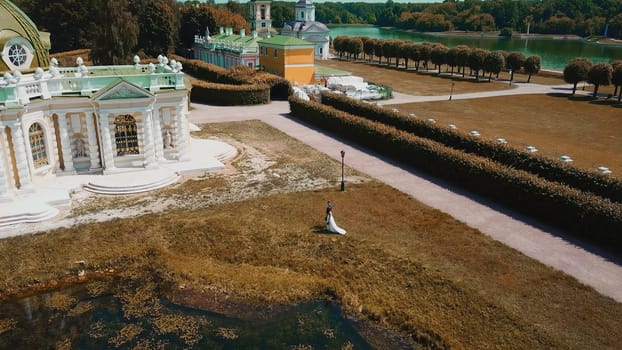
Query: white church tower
305, 11
259, 17
305, 27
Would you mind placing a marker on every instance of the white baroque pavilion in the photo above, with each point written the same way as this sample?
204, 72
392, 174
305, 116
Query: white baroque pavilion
89, 120
115, 129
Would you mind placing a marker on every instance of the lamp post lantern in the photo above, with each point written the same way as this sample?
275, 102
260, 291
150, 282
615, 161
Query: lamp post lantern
452, 90
343, 184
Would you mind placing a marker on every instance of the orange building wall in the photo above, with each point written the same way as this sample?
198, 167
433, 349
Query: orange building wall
279, 65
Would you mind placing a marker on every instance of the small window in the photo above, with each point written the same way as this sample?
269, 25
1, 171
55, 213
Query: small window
263, 24
276, 52
250, 64
37, 145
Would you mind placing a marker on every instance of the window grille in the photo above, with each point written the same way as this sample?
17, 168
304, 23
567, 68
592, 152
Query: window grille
126, 135
37, 145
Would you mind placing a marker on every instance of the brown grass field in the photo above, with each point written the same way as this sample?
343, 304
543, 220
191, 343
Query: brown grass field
402, 265
590, 131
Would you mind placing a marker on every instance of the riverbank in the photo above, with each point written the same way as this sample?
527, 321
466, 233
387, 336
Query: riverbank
555, 50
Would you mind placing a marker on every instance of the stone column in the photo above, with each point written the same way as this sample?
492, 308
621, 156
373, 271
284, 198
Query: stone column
92, 138
157, 137
4, 185
65, 143
104, 128
21, 158
181, 144
150, 156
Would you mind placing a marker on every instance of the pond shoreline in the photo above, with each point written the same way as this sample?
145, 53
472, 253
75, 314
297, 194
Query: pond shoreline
211, 299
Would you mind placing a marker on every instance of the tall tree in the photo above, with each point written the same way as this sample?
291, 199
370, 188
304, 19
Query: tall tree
158, 26
117, 35
616, 78
463, 57
493, 63
514, 62
194, 20
368, 48
532, 66
599, 74
576, 71
379, 49
476, 60
439, 56
281, 13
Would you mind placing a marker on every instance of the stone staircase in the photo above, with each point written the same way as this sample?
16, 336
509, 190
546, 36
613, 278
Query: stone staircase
123, 187
34, 213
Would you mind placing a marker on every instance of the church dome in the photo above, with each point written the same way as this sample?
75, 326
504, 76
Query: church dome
22, 46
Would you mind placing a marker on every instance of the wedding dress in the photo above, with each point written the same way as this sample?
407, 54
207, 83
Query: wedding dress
331, 226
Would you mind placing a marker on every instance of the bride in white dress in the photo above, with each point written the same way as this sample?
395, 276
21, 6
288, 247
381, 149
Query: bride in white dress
331, 226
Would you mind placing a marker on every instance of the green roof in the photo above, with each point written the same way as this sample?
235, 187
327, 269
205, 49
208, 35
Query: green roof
245, 41
285, 40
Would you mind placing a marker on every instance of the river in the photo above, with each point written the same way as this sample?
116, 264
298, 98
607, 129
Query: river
554, 53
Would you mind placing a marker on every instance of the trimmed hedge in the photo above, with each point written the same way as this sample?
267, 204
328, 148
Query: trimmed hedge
229, 95
550, 169
582, 213
208, 72
280, 88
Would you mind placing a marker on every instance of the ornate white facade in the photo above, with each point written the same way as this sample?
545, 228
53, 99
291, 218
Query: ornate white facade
90, 120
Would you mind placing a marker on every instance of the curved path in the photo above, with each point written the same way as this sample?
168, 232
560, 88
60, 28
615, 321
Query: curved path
531, 238
520, 89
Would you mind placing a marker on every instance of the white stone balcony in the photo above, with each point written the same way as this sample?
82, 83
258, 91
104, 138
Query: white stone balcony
18, 90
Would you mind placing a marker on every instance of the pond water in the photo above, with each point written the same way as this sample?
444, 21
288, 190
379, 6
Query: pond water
554, 53
72, 319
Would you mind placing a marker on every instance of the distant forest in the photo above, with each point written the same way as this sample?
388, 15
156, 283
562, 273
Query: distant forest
116, 29
580, 17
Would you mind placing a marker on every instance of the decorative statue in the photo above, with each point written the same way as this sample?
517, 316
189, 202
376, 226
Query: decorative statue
80, 148
168, 139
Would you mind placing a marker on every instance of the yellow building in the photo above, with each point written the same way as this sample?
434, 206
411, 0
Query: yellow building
289, 57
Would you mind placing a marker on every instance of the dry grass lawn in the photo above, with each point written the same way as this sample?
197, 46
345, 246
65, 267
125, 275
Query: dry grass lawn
591, 133
412, 82
402, 265
428, 83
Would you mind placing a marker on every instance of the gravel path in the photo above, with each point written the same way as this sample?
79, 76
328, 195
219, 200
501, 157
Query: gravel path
545, 244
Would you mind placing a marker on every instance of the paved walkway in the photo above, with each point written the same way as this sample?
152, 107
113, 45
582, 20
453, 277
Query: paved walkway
541, 243
520, 89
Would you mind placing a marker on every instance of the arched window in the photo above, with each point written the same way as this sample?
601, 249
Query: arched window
37, 145
126, 135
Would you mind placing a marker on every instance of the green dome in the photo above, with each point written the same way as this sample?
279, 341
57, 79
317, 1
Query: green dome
22, 46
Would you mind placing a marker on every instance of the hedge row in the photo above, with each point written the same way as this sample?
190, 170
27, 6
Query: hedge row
209, 72
229, 95
550, 169
582, 213
280, 88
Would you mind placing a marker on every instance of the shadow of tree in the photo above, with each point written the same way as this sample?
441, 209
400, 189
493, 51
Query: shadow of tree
604, 102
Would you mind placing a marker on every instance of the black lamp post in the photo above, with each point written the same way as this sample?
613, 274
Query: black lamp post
452, 90
343, 184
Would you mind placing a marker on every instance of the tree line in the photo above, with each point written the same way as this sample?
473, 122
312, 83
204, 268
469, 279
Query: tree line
115, 30
599, 74
583, 18
456, 59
